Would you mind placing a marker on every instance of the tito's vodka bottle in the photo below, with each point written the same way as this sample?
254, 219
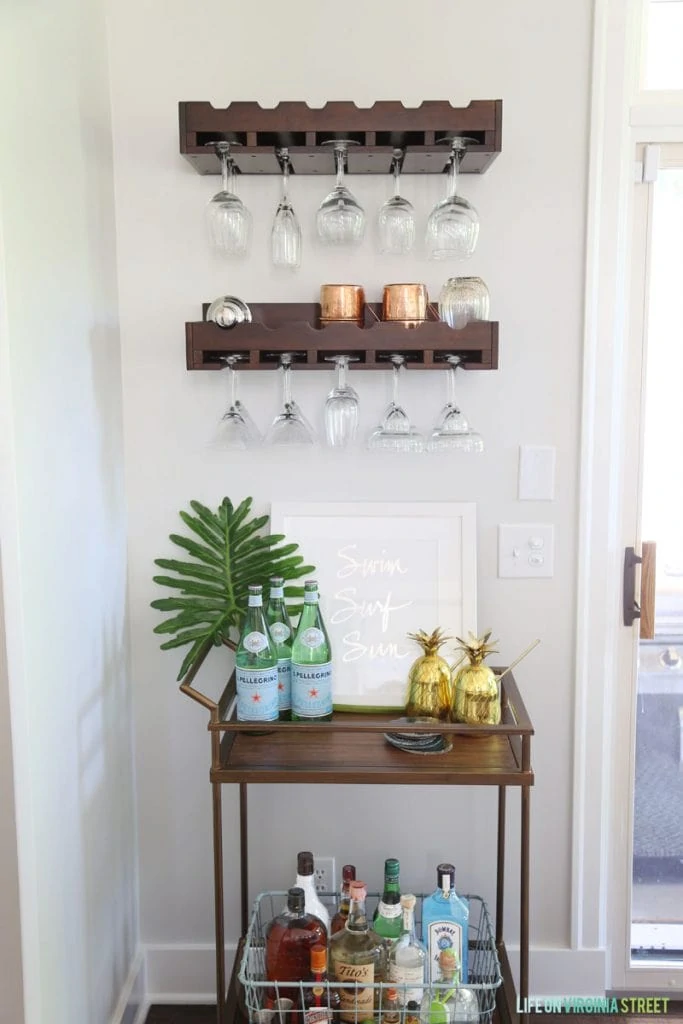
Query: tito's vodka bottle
256, 666
445, 919
281, 634
357, 961
311, 663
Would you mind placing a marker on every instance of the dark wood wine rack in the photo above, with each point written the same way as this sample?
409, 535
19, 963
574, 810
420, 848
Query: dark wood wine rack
378, 130
295, 327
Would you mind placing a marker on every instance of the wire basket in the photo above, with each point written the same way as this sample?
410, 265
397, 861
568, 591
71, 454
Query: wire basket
272, 1002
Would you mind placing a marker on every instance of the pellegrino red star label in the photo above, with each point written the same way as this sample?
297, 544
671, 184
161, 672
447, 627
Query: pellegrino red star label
311, 662
256, 672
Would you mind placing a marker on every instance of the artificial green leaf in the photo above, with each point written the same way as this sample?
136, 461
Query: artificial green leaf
194, 569
196, 550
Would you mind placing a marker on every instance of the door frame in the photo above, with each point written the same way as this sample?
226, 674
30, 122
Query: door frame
604, 704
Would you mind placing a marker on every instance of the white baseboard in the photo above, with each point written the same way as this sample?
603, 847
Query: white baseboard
131, 1007
187, 974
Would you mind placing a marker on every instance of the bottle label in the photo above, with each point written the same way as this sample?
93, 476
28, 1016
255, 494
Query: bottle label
257, 694
317, 1014
357, 1003
255, 642
443, 935
284, 683
312, 690
312, 637
389, 910
280, 632
412, 976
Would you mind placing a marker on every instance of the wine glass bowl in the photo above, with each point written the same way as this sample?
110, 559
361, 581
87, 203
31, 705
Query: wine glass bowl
290, 427
453, 431
236, 429
340, 219
285, 237
341, 407
228, 219
396, 433
453, 225
462, 300
396, 217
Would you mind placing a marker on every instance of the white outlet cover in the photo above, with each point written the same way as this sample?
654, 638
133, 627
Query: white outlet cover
526, 550
536, 473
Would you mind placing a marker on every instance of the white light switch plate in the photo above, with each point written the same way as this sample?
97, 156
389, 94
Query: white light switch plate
536, 473
526, 550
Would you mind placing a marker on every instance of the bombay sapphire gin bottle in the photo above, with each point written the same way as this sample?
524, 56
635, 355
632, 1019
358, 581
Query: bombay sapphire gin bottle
311, 663
256, 674
445, 918
281, 634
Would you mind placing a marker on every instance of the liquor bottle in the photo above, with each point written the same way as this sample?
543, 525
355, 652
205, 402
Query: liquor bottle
449, 1002
387, 919
412, 1014
444, 923
289, 938
321, 1003
408, 959
281, 634
311, 663
391, 1012
339, 919
256, 666
357, 958
305, 879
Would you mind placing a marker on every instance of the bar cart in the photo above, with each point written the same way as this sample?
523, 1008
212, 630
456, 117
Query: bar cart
351, 749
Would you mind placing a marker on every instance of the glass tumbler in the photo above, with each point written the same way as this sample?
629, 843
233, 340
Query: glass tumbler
463, 299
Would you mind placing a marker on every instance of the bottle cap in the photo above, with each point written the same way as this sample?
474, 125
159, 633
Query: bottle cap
391, 868
349, 873
445, 869
255, 588
358, 890
412, 1005
318, 959
296, 899
277, 581
311, 585
408, 901
392, 994
304, 863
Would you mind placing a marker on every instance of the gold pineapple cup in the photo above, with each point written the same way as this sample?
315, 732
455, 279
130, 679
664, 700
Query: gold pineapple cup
476, 696
429, 679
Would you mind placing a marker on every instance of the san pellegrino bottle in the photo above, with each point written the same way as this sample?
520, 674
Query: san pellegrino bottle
445, 919
256, 666
387, 920
281, 634
305, 879
311, 663
408, 958
357, 961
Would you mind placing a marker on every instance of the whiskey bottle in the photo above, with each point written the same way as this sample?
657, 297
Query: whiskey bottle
305, 879
445, 920
387, 919
281, 634
339, 919
321, 1003
289, 938
408, 959
311, 663
357, 961
256, 676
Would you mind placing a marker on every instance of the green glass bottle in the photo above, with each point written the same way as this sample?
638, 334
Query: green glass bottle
256, 666
388, 919
311, 663
281, 634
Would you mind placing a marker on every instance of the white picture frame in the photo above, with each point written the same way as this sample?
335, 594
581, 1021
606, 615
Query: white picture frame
384, 570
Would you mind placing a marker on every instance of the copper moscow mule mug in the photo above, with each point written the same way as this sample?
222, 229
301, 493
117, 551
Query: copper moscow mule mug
406, 303
342, 302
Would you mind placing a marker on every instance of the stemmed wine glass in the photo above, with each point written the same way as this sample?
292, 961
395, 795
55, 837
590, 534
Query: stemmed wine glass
341, 407
453, 224
396, 433
285, 238
341, 218
453, 431
236, 428
228, 219
396, 218
290, 427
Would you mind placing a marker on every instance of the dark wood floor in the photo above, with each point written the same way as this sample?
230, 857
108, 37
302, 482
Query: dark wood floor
207, 1015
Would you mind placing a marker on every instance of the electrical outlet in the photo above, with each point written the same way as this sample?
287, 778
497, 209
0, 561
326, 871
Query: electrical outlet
325, 880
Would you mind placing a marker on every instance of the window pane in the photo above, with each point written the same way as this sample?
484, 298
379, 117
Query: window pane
663, 62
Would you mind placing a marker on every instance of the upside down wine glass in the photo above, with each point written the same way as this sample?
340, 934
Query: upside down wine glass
396, 218
285, 237
290, 427
453, 224
341, 218
228, 219
453, 431
236, 429
341, 407
396, 433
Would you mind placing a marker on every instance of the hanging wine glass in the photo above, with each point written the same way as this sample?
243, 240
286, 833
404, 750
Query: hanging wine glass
340, 219
341, 407
285, 237
228, 219
396, 218
236, 428
396, 433
453, 431
453, 224
290, 427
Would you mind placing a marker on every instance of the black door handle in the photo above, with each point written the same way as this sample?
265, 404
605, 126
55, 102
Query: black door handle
631, 606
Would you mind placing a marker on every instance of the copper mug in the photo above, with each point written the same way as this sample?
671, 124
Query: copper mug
406, 303
342, 302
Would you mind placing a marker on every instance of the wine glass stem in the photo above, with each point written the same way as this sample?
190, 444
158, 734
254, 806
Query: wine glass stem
339, 156
287, 383
285, 180
397, 179
452, 370
453, 175
233, 384
225, 170
397, 370
341, 373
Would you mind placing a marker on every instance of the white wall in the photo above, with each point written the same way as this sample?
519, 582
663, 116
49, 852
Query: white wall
63, 515
536, 57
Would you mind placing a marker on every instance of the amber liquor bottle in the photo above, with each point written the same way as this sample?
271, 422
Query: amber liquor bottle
321, 1003
339, 919
289, 938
